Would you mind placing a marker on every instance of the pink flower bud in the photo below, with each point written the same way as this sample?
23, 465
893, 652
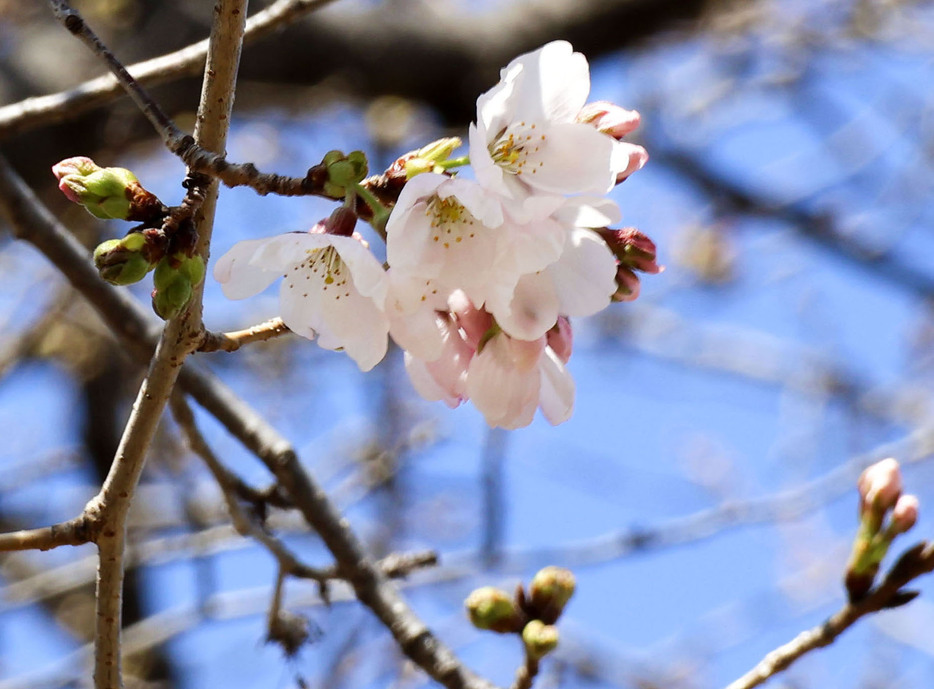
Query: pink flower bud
905, 513
627, 285
561, 339
632, 248
879, 486
79, 166
609, 118
341, 222
106, 192
634, 158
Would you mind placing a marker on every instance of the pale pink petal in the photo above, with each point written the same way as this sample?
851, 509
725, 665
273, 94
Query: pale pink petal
504, 382
628, 158
557, 389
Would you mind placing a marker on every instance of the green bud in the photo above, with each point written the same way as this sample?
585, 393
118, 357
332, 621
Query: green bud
123, 261
169, 301
109, 192
550, 590
494, 609
192, 268
344, 171
539, 639
173, 285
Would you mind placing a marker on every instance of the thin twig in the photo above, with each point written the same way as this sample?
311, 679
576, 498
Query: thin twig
57, 107
913, 563
526, 673
72, 532
198, 152
234, 340
289, 564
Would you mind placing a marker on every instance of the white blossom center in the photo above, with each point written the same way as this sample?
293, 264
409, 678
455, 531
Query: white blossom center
451, 222
516, 147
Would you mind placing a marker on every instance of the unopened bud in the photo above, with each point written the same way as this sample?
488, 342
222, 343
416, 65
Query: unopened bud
108, 192
343, 171
173, 289
904, 514
550, 590
192, 267
627, 285
341, 222
609, 118
539, 639
561, 338
879, 487
632, 248
123, 261
628, 158
494, 609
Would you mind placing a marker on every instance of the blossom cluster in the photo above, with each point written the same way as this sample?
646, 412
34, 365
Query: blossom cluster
482, 274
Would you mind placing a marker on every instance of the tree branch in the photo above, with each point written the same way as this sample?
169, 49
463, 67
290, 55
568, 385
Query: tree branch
65, 105
73, 532
913, 563
232, 341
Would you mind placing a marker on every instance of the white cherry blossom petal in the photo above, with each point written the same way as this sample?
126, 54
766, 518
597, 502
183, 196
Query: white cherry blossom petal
552, 84
238, 276
532, 309
584, 278
589, 211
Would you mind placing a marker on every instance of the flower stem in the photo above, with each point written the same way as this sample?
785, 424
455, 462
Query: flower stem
380, 212
453, 162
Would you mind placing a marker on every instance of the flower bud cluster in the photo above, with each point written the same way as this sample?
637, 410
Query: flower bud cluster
880, 497
531, 614
483, 274
115, 193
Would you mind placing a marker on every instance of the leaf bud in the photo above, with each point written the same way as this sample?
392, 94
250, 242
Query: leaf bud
550, 590
494, 609
539, 639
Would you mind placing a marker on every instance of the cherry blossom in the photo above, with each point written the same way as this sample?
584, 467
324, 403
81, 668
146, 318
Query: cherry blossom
333, 288
527, 139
